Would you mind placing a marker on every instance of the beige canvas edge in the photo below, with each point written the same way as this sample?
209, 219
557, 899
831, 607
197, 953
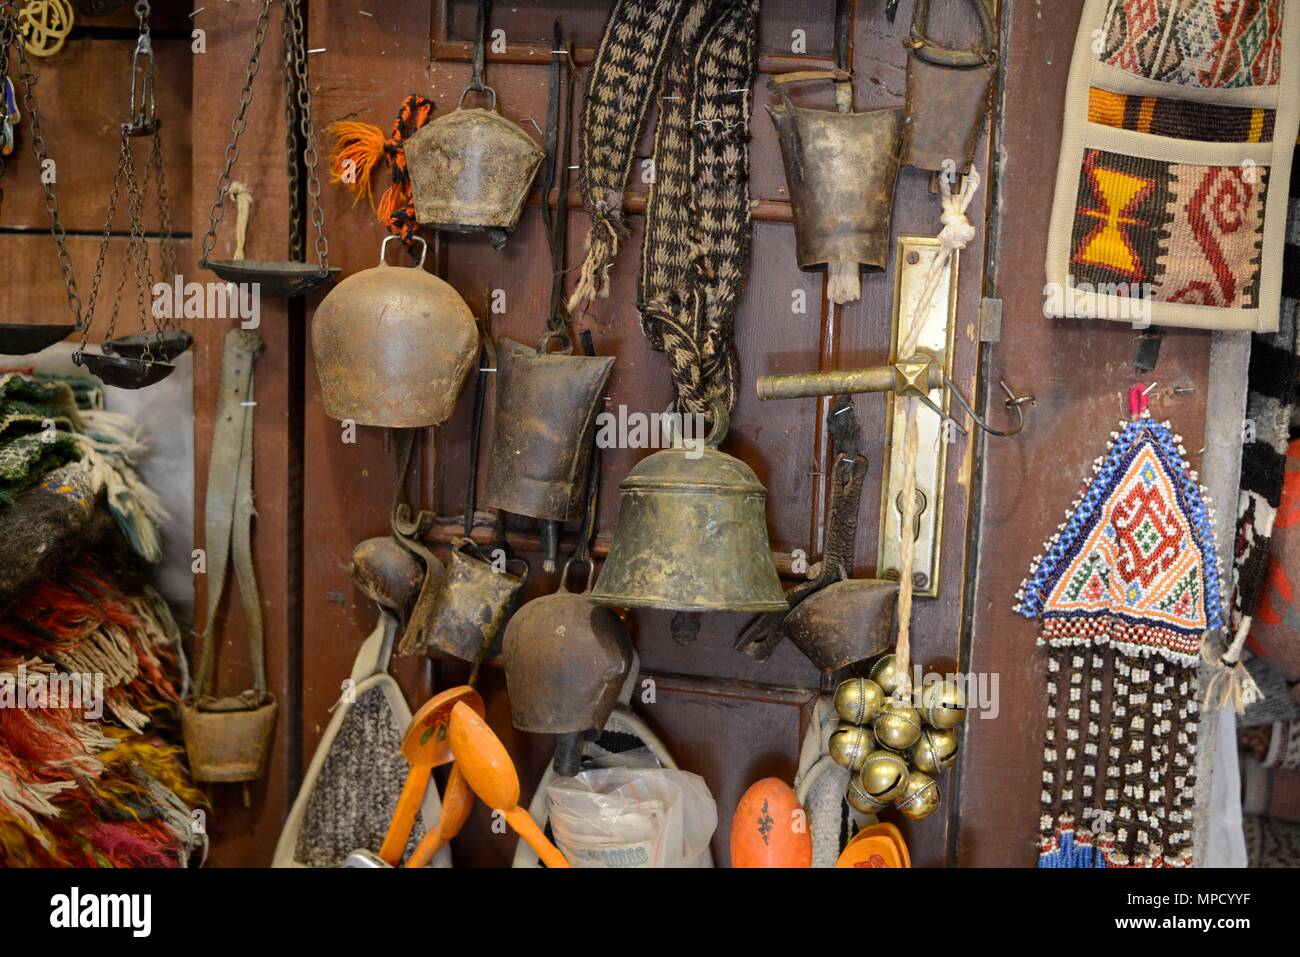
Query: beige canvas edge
1078, 133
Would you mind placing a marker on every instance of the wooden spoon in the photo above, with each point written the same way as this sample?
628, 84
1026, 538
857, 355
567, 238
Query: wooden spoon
425, 746
486, 765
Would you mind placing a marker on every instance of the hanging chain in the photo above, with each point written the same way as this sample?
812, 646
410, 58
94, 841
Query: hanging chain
291, 121
237, 127
98, 277
166, 244
293, 8
9, 39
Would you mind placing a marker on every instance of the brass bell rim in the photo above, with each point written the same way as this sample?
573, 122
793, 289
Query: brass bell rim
668, 604
634, 484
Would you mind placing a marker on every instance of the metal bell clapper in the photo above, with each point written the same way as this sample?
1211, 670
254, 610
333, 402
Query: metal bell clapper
471, 170
692, 533
393, 346
565, 660
840, 168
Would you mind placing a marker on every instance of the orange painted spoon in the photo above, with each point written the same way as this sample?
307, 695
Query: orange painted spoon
425, 747
486, 764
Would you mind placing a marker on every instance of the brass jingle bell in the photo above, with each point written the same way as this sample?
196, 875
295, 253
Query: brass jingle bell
884, 775
849, 745
393, 346
885, 673
546, 406
943, 704
936, 751
565, 660
860, 800
897, 726
921, 797
692, 533
471, 170
858, 700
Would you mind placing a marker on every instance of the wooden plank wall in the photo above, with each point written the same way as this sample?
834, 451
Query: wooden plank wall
723, 715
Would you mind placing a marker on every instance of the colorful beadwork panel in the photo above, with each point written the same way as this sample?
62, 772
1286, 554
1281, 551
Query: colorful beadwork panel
1180, 232
1211, 44
1188, 119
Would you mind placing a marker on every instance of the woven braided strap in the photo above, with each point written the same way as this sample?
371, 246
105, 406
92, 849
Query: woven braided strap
696, 253
620, 86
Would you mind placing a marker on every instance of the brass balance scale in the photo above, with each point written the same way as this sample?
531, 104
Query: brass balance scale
275, 278
136, 361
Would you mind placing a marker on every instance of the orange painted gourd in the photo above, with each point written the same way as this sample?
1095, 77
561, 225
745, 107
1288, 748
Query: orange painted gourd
769, 828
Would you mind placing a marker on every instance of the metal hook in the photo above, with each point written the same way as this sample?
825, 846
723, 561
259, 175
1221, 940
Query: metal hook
1013, 401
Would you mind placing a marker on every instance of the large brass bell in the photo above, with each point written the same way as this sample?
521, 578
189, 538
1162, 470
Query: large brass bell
393, 346
546, 407
692, 533
840, 168
471, 170
566, 660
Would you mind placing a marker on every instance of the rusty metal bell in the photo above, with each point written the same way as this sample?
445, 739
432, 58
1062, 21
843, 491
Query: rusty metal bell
840, 168
393, 346
471, 170
546, 407
845, 622
228, 739
948, 94
566, 660
472, 604
692, 533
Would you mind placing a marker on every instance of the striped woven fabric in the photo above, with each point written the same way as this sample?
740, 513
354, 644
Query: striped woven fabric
1188, 119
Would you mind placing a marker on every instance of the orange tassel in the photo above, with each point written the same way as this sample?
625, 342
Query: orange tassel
358, 149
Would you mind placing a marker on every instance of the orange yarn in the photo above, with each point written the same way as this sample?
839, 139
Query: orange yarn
357, 151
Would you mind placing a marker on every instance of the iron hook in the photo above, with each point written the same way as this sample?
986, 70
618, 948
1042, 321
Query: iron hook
1013, 402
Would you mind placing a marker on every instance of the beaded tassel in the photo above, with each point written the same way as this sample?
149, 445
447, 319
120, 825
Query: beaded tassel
1124, 593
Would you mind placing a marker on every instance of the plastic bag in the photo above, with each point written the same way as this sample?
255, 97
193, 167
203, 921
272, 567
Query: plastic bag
633, 817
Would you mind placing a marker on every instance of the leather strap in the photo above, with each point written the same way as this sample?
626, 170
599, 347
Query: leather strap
228, 519
925, 48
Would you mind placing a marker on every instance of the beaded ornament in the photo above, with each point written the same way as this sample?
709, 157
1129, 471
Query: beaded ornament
1125, 591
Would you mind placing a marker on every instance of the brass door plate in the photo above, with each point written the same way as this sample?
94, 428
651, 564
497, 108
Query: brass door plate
913, 256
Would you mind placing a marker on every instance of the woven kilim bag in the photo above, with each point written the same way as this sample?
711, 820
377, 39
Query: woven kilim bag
1171, 199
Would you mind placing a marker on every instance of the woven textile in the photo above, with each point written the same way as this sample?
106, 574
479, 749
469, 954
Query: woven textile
1192, 233
1199, 43
36, 419
1190, 119
1124, 593
1271, 842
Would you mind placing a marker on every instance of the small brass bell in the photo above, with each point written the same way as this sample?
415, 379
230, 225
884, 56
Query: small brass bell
884, 775
921, 797
897, 726
885, 673
859, 700
692, 534
860, 800
943, 704
935, 751
850, 745
471, 170
393, 346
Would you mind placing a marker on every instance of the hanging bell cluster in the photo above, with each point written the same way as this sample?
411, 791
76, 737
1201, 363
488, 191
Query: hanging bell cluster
840, 169
566, 660
471, 170
393, 346
895, 750
692, 533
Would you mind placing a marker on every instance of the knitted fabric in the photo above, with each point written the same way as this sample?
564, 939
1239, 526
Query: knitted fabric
1124, 593
1190, 119
621, 84
695, 258
1199, 43
37, 416
1271, 842
699, 56
1191, 232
